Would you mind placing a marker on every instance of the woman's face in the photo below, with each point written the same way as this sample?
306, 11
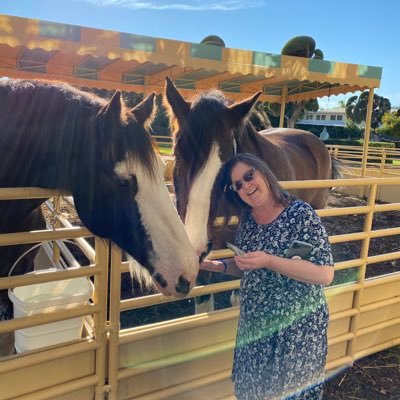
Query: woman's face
250, 185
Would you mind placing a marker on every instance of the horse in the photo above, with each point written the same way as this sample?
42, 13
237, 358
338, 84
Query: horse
55, 136
208, 131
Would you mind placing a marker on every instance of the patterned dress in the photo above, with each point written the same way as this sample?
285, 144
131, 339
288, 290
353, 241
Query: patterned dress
281, 342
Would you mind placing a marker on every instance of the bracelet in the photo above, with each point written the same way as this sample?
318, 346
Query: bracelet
225, 266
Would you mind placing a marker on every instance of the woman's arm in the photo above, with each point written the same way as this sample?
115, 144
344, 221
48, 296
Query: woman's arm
225, 266
301, 270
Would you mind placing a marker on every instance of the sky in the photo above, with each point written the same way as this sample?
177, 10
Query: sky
352, 31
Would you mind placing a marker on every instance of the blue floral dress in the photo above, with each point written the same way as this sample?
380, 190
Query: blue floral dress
281, 342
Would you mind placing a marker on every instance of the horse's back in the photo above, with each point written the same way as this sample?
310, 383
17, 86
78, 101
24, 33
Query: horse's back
292, 136
294, 148
301, 146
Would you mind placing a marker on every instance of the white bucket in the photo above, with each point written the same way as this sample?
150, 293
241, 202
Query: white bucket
48, 297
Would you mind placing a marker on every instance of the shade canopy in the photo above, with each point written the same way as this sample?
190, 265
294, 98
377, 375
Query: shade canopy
31, 48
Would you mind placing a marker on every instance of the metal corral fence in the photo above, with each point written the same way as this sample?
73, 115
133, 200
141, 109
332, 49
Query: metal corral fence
381, 162
189, 357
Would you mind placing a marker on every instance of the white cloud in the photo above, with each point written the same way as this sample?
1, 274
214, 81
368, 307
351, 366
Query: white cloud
184, 5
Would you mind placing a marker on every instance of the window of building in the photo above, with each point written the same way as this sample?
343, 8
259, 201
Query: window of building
318, 117
339, 117
323, 117
333, 117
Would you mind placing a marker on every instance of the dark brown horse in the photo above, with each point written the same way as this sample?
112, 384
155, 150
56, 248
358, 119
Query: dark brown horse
55, 136
209, 130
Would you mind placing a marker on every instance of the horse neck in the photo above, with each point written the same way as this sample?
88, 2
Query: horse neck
48, 158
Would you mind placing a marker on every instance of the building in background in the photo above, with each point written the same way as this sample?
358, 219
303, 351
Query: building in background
331, 117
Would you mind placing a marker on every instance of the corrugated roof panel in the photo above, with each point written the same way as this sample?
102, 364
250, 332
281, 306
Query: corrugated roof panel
253, 70
59, 31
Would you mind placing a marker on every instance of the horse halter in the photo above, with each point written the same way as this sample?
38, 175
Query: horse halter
234, 146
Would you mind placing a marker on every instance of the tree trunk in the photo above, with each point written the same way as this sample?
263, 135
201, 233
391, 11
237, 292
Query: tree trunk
297, 111
262, 116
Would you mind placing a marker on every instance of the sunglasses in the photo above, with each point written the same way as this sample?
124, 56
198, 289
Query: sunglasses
247, 177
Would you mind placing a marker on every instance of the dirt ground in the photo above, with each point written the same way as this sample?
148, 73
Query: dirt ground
374, 377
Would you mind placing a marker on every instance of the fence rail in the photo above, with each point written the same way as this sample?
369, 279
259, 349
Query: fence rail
188, 357
382, 160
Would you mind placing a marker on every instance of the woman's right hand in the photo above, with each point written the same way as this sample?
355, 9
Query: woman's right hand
212, 265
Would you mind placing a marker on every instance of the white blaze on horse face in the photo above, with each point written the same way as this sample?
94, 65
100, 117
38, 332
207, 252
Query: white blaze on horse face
198, 208
174, 256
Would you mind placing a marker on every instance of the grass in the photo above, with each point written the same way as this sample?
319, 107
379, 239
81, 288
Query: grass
165, 149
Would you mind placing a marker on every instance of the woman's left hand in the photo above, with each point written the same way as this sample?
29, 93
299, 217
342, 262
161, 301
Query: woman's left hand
252, 260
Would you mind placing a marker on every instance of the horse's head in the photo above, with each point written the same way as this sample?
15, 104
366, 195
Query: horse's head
206, 136
120, 195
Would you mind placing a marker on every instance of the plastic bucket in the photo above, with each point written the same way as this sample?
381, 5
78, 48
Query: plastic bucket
48, 297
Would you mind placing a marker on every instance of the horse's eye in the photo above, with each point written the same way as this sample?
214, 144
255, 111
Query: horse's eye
124, 182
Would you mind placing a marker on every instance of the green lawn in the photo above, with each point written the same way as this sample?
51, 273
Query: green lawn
165, 150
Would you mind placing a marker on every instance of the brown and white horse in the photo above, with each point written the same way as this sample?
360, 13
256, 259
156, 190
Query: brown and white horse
209, 130
55, 136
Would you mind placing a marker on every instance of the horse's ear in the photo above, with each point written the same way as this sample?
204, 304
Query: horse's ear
144, 110
179, 105
238, 111
113, 108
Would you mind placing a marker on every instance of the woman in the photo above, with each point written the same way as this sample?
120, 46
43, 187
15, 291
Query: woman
281, 342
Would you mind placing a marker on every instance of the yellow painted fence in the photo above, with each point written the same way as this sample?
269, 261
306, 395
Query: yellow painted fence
189, 357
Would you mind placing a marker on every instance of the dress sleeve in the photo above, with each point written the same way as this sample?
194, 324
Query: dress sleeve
311, 230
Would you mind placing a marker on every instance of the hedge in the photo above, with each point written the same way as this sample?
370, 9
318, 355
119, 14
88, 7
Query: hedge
352, 142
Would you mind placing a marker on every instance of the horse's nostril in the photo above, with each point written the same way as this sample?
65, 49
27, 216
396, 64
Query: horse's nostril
160, 280
183, 285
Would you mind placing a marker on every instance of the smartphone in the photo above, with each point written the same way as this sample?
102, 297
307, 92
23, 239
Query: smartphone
298, 249
235, 249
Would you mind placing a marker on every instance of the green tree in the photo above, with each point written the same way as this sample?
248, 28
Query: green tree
302, 46
356, 108
213, 40
390, 124
298, 46
259, 116
352, 130
293, 110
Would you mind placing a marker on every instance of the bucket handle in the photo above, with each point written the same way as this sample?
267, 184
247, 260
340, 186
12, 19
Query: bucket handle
32, 248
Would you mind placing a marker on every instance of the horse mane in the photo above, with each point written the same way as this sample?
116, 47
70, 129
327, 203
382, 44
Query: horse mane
203, 126
56, 121
248, 139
